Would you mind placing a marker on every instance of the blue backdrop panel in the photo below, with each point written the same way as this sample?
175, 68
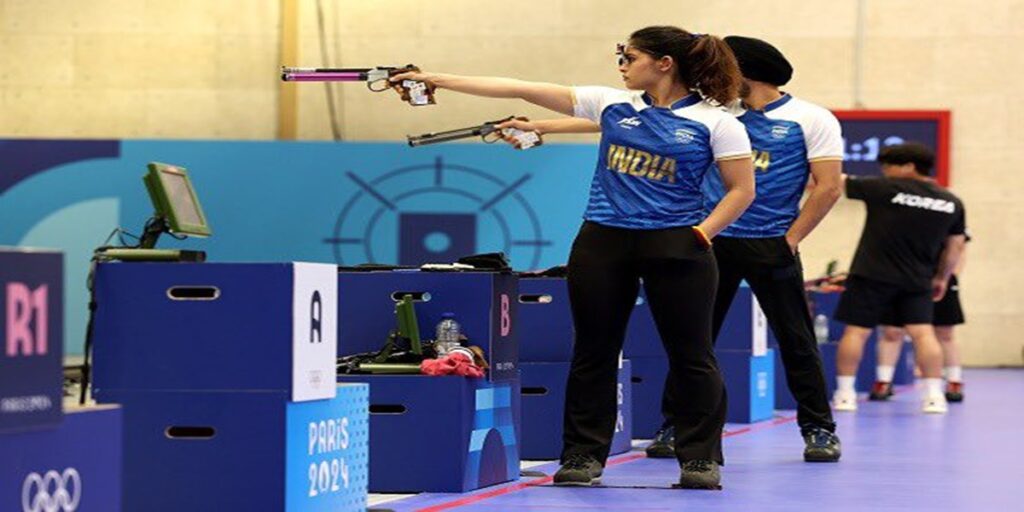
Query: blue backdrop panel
431, 237
441, 434
31, 338
545, 320
543, 387
484, 304
76, 466
301, 201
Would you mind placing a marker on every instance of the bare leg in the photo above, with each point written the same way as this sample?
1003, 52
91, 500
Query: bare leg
927, 352
950, 349
951, 361
851, 349
889, 345
928, 355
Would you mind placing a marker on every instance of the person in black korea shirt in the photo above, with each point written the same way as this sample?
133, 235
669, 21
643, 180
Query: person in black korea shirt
912, 239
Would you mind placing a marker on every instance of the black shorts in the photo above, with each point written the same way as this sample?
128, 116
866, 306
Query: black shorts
947, 312
868, 303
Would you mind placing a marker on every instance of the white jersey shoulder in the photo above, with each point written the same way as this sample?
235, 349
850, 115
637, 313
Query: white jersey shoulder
589, 101
704, 113
729, 138
822, 133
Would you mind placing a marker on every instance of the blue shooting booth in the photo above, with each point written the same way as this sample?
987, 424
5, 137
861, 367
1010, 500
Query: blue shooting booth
648, 379
746, 361
747, 365
544, 404
437, 434
226, 374
546, 340
545, 320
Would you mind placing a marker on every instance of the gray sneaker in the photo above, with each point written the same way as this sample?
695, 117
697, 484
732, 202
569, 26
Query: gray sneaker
700, 474
821, 446
664, 444
580, 470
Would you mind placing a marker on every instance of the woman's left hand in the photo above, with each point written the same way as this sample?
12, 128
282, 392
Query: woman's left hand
793, 244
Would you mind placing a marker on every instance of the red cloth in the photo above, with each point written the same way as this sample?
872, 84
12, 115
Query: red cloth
452, 364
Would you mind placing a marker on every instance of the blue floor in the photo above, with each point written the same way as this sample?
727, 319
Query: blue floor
894, 458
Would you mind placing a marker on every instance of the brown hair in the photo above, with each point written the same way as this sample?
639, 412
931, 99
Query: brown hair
705, 62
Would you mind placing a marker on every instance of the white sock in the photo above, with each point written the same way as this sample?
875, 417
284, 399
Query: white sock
846, 382
954, 373
932, 387
884, 373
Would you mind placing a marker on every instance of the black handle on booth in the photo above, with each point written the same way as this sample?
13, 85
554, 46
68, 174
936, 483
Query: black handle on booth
188, 432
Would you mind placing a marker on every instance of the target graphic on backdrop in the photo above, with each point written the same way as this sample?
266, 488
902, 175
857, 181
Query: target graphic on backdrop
436, 213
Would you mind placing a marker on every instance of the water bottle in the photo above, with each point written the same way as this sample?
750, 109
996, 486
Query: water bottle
447, 334
821, 329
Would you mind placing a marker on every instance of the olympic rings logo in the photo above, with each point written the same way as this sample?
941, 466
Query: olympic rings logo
52, 492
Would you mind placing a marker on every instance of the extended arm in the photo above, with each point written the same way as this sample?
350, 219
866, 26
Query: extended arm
546, 126
550, 96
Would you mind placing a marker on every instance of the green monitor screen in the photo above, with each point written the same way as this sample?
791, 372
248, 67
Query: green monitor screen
174, 199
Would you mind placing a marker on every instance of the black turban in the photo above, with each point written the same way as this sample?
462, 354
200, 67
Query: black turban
760, 61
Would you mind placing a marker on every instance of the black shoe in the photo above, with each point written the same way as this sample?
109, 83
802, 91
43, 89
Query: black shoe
822, 446
664, 445
700, 474
880, 391
579, 469
954, 392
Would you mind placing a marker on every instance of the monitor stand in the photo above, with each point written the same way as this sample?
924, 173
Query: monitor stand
155, 227
131, 254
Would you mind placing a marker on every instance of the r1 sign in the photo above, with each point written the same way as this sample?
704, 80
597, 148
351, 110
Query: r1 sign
31, 338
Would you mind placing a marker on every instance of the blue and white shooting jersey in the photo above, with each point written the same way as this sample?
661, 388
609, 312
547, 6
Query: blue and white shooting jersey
652, 160
786, 136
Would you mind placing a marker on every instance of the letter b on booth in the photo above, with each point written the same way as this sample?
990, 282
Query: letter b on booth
506, 317
26, 310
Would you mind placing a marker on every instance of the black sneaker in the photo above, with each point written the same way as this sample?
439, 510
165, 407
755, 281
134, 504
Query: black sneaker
579, 469
664, 445
880, 391
954, 393
700, 474
822, 446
